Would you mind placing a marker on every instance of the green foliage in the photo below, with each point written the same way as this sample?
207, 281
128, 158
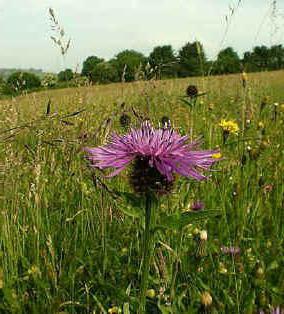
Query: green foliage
89, 66
263, 58
128, 63
71, 243
191, 60
49, 80
164, 62
65, 75
228, 61
20, 81
104, 72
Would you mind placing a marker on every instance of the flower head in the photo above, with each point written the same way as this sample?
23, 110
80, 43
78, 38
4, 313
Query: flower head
206, 299
156, 154
125, 120
230, 250
192, 91
197, 205
229, 126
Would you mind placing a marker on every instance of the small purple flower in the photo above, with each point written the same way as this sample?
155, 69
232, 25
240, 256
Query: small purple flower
276, 310
197, 205
159, 153
230, 250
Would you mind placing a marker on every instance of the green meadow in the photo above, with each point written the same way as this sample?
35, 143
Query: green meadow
71, 240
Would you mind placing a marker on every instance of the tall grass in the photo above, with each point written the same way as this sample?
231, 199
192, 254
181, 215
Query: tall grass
69, 245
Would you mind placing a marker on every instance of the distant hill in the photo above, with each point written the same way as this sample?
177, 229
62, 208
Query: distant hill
5, 73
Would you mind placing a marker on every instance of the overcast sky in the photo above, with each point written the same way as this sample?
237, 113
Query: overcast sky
105, 27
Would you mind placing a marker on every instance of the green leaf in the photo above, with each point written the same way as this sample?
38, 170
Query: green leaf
132, 206
181, 220
187, 102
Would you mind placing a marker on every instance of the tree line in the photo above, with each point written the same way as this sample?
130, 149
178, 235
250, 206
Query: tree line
162, 62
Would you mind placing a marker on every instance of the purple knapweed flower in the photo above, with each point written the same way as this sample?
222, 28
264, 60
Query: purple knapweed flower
156, 154
276, 310
197, 205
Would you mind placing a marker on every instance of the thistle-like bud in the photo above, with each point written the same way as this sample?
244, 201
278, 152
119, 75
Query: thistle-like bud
192, 91
124, 120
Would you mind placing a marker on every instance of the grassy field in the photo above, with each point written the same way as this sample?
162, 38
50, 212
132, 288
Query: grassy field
70, 245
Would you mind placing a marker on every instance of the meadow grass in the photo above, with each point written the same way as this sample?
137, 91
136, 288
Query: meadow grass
69, 245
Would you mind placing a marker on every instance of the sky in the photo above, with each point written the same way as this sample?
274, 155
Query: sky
106, 27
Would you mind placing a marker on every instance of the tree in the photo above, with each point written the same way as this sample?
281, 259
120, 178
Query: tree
20, 81
162, 59
228, 61
105, 72
191, 59
49, 80
89, 65
127, 63
276, 57
65, 76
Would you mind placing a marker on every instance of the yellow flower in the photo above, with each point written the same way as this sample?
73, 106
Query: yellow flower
206, 299
217, 156
222, 269
150, 293
114, 310
229, 126
260, 125
34, 271
244, 76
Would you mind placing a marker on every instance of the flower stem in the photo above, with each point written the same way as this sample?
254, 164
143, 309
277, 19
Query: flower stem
147, 252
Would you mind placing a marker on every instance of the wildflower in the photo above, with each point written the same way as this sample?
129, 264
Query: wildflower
125, 120
34, 271
222, 269
260, 125
229, 126
156, 154
244, 79
203, 235
230, 250
114, 310
195, 232
217, 156
197, 205
206, 299
150, 293
192, 91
